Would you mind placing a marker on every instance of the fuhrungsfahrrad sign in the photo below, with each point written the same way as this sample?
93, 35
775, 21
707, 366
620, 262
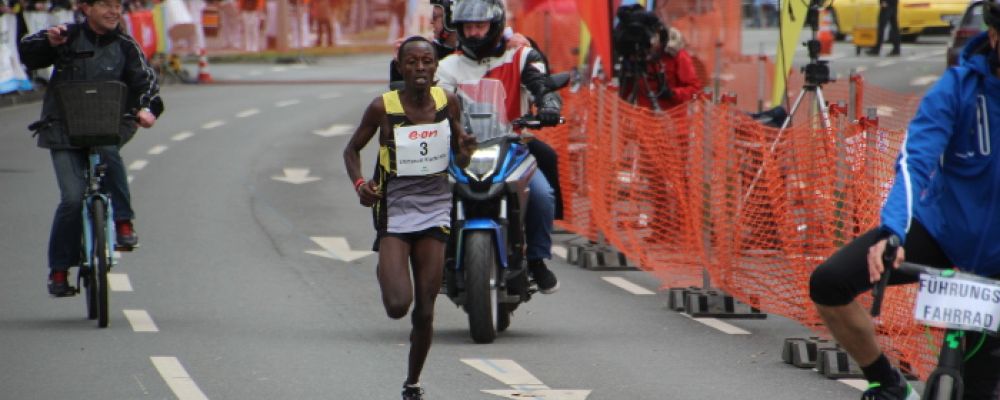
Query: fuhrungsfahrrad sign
958, 303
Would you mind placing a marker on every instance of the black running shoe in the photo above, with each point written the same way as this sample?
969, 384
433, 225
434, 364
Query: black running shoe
900, 391
413, 392
546, 280
59, 285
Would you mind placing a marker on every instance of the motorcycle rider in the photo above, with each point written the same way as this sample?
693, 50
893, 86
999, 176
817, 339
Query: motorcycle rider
483, 53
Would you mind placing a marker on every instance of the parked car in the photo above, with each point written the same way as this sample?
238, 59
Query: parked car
970, 25
916, 17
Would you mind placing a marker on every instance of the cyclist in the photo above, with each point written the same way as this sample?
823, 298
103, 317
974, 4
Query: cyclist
97, 49
943, 207
410, 193
483, 54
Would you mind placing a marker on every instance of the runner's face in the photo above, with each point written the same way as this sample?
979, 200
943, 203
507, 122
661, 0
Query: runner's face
103, 16
418, 64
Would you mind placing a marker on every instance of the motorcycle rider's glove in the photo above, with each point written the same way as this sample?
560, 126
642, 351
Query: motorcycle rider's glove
549, 109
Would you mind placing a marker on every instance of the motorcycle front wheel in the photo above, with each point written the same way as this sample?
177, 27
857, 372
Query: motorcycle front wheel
479, 263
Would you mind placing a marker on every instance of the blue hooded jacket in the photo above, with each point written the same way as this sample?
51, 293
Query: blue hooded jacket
947, 176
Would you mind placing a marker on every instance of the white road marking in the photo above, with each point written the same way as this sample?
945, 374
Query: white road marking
213, 124
286, 103
337, 248
560, 251
328, 96
119, 282
885, 110
130, 178
182, 136
859, 384
544, 394
247, 113
924, 80
279, 69
138, 165
177, 378
157, 150
885, 63
336, 130
140, 321
296, 176
861, 69
255, 72
628, 286
716, 323
506, 371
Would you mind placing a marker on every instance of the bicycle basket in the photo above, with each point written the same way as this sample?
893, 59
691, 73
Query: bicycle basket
92, 111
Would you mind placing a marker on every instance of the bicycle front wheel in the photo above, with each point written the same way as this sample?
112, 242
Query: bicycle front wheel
99, 261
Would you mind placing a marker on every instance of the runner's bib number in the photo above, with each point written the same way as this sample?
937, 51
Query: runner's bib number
957, 303
422, 149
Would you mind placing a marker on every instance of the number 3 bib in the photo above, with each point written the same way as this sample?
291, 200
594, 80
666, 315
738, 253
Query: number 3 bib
422, 149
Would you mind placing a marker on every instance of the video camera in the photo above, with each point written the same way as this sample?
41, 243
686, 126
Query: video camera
634, 33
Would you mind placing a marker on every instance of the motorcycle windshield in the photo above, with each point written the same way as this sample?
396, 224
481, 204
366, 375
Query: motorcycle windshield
484, 114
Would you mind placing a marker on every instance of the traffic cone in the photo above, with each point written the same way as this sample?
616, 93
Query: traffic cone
825, 34
203, 75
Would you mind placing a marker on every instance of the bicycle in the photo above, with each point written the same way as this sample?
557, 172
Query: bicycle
93, 113
932, 309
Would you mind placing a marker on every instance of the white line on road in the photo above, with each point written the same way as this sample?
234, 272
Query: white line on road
182, 136
157, 150
560, 251
138, 165
255, 72
213, 124
859, 384
119, 282
130, 178
860, 69
140, 321
247, 113
885, 63
924, 80
716, 323
627, 286
177, 378
279, 69
506, 371
286, 103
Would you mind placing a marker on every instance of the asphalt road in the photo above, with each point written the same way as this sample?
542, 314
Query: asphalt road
240, 289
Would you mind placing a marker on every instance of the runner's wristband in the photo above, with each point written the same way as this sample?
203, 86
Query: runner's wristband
358, 183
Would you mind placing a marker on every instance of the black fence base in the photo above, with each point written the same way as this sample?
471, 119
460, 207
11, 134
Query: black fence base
700, 303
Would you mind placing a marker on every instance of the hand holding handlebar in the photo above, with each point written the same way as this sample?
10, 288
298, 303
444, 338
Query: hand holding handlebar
887, 252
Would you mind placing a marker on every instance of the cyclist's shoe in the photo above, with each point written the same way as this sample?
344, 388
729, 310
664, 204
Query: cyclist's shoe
59, 285
546, 280
413, 392
126, 238
900, 391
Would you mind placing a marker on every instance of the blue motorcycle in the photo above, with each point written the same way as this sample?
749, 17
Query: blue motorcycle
486, 271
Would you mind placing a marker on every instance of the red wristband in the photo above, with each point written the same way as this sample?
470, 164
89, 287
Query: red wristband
358, 183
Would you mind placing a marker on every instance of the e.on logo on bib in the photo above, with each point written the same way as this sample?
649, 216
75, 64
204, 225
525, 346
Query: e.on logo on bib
422, 135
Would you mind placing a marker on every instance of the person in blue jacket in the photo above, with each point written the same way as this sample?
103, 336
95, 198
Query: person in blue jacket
945, 207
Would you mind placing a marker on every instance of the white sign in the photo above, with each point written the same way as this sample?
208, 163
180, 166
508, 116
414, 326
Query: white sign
422, 149
958, 303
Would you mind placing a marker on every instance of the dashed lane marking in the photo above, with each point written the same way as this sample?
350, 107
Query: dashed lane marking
177, 378
140, 321
885, 63
924, 80
286, 103
138, 165
213, 124
628, 286
119, 282
247, 113
724, 327
182, 136
859, 384
157, 150
560, 251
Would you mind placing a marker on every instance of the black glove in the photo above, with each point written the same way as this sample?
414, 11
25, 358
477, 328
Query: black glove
549, 109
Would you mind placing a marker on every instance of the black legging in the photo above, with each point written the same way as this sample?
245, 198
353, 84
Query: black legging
844, 276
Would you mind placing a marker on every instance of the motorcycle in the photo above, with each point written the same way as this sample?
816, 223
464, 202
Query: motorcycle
486, 271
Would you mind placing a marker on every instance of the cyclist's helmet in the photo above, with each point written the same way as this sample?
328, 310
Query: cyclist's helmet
445, 5
491, 11
991, 14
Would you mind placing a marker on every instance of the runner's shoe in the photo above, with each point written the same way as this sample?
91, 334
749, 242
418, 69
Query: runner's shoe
413, 392
900, 391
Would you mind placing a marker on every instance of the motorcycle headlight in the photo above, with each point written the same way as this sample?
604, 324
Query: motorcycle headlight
484, 162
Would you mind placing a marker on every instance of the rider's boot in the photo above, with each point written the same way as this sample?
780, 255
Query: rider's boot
546, 280
125, 239
59, 284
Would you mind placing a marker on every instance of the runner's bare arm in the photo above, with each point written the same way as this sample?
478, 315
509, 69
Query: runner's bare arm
462, 143
370, 122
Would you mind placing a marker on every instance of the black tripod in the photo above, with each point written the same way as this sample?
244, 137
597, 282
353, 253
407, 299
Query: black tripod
634, 79
817, 73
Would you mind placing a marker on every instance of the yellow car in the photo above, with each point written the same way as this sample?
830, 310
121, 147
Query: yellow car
915, 16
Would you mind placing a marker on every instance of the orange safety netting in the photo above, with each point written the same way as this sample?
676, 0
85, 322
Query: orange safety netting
706, 187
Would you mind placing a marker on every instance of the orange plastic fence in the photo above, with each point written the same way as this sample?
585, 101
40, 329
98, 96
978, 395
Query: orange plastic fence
706, 187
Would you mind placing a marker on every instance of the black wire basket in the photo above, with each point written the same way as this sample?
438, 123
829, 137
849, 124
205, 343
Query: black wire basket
92, 111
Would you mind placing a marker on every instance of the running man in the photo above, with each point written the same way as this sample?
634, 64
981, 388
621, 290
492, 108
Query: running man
419, 129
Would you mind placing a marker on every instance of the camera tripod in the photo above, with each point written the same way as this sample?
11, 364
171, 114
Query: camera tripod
637, 72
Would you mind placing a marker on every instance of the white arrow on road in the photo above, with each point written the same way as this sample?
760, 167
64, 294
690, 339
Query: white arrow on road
296, 176
335, 130
524, 384
546, 394
337, 248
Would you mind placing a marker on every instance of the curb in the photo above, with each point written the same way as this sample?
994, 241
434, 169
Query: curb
17, 98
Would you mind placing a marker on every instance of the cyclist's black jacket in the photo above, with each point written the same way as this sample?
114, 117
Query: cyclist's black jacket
91, 57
